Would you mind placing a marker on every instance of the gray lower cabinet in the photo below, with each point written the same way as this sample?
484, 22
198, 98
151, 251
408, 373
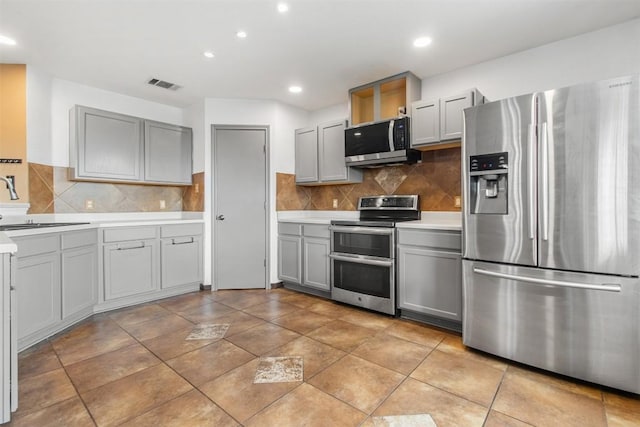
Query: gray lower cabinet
180, 255
316, 247
108, 146
38, 289
320, 155
38, 292
303, 256
130, 268
56, 283
290, 253
430, 275
79, 272
130, 261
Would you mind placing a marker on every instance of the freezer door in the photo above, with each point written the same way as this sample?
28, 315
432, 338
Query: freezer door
499, 208
589, 172
582, 325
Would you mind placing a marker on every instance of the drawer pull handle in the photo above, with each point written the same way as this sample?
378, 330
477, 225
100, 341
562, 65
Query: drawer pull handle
132, 247
187, 242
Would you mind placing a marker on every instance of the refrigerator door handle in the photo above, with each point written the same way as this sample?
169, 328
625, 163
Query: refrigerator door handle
545, 181
531, 182
609, 287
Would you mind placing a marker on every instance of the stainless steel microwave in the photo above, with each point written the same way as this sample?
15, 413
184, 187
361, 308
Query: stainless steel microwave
380, 143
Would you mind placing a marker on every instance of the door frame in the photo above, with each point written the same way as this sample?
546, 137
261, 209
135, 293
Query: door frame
214, 199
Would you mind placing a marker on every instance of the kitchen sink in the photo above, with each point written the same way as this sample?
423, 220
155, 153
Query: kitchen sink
26, 226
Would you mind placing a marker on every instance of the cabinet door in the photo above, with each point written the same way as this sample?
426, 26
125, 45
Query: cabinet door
130, 268
316, 263
79, 280
430, 282
451, 118
38, 293
181, 261
290, 259
167, 153
425, 123
331, 152
105, 145
306, 144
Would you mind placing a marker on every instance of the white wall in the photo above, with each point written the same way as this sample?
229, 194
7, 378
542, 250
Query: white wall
49, 143
194, 118
610, 52
40, 147
282, 121
328, 114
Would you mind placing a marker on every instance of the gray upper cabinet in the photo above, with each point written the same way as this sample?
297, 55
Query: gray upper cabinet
320, 155
451, 117
306, 144
105, 146
167, 153
425, 122
439, 121
108, 146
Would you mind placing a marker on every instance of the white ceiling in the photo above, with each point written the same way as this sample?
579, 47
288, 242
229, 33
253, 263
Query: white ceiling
325, 46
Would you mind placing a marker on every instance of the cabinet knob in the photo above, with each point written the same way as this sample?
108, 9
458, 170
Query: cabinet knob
220, 217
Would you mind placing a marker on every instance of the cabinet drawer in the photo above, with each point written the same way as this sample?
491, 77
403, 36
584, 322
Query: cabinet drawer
129, 233
42, 244
76, 239
175, 230
290, 228
321, 231
443, 239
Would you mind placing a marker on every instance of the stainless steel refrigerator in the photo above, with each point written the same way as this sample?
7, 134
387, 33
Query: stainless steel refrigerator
551, 227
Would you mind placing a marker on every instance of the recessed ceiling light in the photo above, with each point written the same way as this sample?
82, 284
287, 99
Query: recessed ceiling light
422, 41
283, 7
295, 89
7, 40
208, 54
241, 34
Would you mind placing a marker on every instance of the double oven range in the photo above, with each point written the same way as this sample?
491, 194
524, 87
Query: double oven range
363, 252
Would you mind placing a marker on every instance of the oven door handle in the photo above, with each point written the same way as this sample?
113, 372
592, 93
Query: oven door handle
361, 260
362, 230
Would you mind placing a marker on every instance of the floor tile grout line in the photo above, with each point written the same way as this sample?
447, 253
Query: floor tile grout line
164, 362
75, 388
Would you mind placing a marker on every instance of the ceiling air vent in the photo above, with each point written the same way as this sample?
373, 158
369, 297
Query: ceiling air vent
163, 84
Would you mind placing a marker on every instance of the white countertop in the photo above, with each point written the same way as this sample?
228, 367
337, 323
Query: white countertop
429, 219
6, 245
98, 221
435, 221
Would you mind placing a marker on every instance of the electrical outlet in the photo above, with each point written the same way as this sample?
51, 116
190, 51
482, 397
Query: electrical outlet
457, 201
196, 188
335, 203
163, 204
88, 204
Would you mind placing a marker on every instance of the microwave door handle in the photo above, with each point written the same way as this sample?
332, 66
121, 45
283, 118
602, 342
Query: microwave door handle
392, 145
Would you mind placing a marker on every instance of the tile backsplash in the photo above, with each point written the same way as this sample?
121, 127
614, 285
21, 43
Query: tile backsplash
437, 180
50, 191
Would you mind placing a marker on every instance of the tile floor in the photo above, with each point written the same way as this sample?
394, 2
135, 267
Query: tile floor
135, 367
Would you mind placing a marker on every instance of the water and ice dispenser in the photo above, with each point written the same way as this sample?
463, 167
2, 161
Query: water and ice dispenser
488, 183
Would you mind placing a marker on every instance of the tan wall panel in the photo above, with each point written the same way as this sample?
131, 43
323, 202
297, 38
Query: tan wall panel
13, 128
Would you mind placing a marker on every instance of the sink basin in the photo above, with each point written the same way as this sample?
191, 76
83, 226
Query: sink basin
12, 227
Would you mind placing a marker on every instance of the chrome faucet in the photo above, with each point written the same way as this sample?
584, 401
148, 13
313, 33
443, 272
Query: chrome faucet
12, 190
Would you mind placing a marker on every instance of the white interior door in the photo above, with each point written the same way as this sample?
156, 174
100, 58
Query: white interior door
240, 210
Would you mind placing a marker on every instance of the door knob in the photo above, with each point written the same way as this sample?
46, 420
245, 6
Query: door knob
220, 217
